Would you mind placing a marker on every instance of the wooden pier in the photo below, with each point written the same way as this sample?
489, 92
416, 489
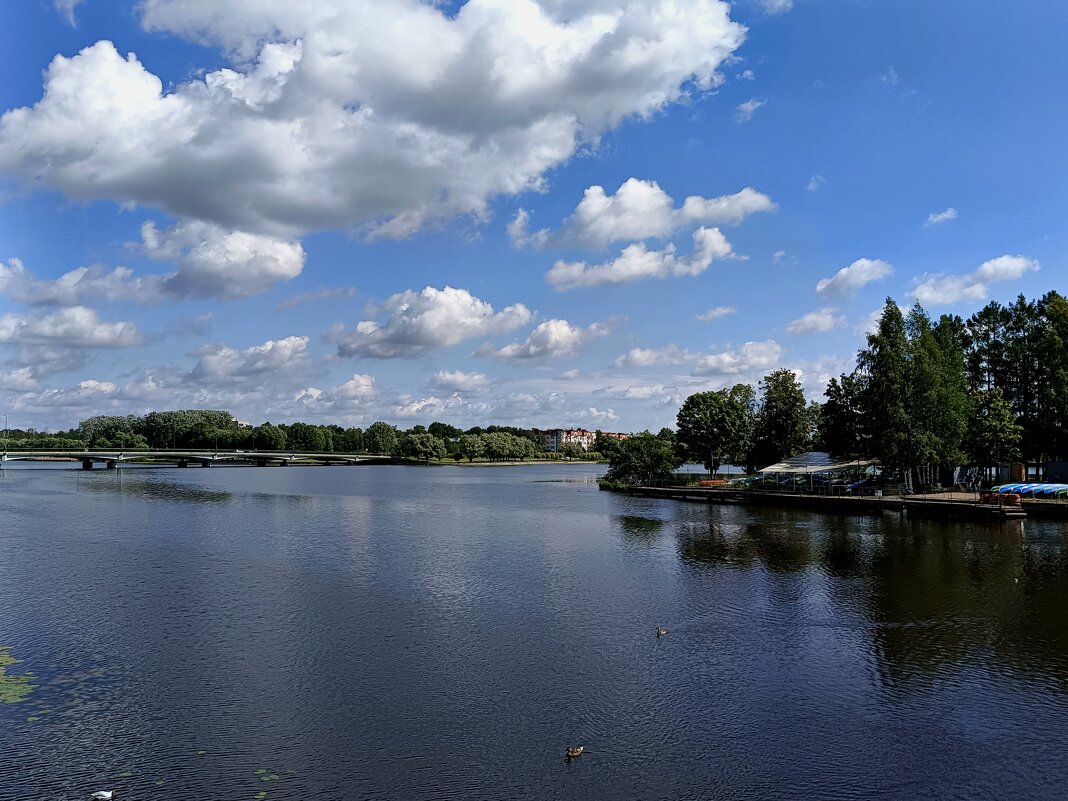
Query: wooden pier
922, 506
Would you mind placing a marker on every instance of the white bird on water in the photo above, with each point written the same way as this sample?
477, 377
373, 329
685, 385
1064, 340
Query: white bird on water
102, 795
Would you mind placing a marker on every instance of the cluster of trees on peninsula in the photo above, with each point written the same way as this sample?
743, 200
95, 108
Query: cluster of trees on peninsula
925, 396
197, 429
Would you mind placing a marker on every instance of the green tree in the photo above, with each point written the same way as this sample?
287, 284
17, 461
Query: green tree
269, 438
783, 421
713, 427
993, 433
604, 445
842, 429
305, 437
643, 459
472, 446
572, 450
1052, 347
425, 446
444, 431
884, 364
381, 438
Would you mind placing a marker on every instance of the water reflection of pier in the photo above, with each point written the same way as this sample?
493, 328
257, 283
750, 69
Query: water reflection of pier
931, 595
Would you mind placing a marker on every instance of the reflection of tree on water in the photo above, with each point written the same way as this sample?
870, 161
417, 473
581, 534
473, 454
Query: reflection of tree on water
13, 687
152, 489
937, 596
639, 528
780, 541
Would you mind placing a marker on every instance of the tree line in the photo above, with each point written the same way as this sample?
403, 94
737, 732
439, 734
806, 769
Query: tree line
205, 429
925, 397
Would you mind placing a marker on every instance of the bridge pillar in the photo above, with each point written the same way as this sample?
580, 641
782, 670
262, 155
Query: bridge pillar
284, 463
87, 464
205, 464
112, 464
183, 463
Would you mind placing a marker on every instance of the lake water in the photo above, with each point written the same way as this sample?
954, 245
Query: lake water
418, 633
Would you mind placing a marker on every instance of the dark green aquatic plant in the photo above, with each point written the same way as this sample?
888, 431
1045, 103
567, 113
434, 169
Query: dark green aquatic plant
14, 687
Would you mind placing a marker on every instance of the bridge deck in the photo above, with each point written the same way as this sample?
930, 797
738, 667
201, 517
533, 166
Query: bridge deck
115, 457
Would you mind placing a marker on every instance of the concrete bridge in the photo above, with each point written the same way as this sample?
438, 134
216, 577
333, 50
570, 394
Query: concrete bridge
113, 458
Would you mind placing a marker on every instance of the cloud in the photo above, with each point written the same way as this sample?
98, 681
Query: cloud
377, 116
77, 287
826, 319
214, 262
649, 357
636, 262
459, 381
418, 322
744, 112
772, 7
749, 358
849, 280
889, 76
936, 290
360, 387
520, 235
66, 8
715, 313
76, 327
638, 210
316, 295
223, 363
941, 217
815, 183
552, 338
746, 75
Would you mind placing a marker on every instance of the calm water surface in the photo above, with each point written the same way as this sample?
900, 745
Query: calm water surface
407, 633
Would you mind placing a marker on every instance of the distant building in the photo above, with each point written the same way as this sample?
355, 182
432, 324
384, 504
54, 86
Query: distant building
556, 438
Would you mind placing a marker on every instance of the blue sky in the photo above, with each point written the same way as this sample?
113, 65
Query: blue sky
554, 213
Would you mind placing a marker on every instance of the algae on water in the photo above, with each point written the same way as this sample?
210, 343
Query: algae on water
14, 687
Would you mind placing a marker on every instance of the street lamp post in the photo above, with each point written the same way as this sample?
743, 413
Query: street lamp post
5, 431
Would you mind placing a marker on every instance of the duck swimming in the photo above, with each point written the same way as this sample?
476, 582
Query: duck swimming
573, 751
660, 632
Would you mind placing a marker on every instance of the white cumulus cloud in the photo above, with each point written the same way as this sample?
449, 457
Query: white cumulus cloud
637, 262
937, 290
459, 381
857, 275
214, 262
826, 319
551, 338
372, 114
639, 209
75, 327
417, 322
749, 358
223, 363
77, 287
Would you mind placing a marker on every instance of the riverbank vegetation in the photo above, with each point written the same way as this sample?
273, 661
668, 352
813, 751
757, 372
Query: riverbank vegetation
925, 397
196, 429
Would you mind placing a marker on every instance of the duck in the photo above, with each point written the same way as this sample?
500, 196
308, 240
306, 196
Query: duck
660, 632
573, 751
103, 795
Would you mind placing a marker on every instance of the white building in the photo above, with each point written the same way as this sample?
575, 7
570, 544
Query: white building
556, 438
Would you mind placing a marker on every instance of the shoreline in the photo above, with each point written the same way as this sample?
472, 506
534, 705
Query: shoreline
920, 506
